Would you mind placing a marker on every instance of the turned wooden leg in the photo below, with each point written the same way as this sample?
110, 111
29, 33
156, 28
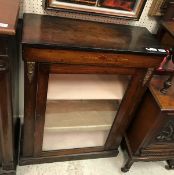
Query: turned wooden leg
170, 165
127, 166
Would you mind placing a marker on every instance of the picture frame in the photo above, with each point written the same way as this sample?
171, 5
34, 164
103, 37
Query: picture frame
128, 9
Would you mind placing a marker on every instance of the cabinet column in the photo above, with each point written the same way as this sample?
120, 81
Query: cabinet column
30, 90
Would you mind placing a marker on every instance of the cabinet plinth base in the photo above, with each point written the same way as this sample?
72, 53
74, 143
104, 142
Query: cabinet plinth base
2, 172
56, 158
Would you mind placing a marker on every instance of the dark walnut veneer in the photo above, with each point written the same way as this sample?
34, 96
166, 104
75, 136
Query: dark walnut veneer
67, 46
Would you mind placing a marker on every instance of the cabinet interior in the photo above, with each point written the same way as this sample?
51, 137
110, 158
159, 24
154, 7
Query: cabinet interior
86, 86
80, 109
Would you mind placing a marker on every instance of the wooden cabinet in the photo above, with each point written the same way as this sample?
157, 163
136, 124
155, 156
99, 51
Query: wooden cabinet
150, 136
8, 85
81, 79
169, 12
166, 33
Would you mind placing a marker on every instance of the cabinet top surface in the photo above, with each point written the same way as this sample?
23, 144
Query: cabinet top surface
166, 102
67, 33
9, 10
169, 26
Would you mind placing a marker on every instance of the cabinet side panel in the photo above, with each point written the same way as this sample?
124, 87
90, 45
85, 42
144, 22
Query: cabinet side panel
143, 123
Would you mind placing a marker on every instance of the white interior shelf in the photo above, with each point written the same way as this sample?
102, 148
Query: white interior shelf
73, 124
71, 140
85, 86
80, 115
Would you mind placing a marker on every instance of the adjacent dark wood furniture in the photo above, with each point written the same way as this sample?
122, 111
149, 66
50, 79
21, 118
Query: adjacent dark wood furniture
53, 45
150, 136
169, 11
162, 8
166, 33
8, 84
166, 38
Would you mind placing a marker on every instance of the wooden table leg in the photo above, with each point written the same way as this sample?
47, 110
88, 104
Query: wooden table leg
127, 166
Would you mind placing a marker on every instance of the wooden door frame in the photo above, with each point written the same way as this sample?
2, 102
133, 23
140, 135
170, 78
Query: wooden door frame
36, 85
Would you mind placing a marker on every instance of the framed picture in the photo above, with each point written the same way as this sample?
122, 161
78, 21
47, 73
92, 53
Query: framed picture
113, 8
158, 7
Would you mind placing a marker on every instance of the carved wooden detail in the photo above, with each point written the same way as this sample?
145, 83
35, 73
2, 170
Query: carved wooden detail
148, 75
167, 133
3, 66
31, 70
167, 84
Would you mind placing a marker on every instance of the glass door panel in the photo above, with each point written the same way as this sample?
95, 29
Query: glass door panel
81, 109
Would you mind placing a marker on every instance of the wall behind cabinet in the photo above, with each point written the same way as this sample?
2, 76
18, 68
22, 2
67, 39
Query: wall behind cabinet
35, 6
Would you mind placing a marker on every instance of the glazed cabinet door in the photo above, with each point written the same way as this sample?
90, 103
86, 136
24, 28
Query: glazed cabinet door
76, 109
